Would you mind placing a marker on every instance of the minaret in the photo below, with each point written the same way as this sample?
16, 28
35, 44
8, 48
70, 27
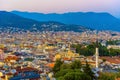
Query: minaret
97, 51
97, 57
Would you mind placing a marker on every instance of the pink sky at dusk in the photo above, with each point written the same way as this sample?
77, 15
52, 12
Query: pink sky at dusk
62, 6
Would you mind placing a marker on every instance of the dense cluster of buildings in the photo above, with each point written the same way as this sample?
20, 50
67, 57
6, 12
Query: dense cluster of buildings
31, 56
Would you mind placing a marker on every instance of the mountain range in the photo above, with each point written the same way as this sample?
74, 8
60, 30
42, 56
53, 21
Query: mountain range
11, 21
99, 21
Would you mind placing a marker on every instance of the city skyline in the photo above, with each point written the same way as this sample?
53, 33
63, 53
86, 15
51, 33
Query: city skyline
58, 6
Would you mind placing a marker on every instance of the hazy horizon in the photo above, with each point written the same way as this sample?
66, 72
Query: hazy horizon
58, 6
59, 13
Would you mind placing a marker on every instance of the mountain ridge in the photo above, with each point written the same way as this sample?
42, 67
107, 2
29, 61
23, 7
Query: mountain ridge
99, 21
8, 20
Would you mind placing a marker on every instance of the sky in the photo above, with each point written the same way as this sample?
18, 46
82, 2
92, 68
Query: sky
62, 6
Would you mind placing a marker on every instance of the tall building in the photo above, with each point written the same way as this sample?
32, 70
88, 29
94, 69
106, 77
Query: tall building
97, 57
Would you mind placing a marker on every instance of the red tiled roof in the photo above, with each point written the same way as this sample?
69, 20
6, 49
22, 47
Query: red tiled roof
2, 76
11, 58
114, 60
51, 65
67, 59
9, 74
118, 79
26, 69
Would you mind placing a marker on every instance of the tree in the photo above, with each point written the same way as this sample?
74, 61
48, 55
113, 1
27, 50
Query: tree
65, 66
106, 76
76, 76
118, 74
88, 70
89, 50
58, 63
74, 72
69, 76
76, 65
61, 78
63, 72
104, 60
